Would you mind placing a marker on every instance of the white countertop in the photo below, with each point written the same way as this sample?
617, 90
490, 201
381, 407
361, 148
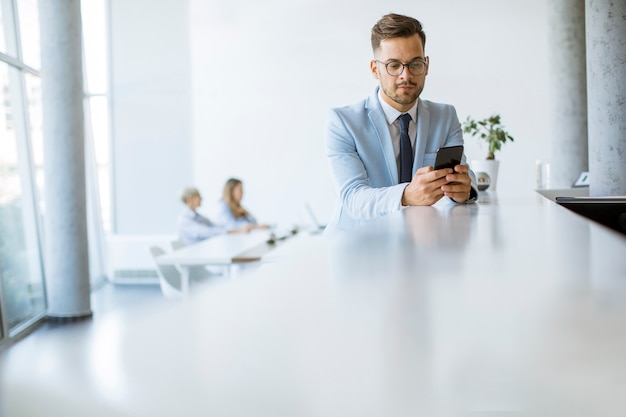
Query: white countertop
512, 306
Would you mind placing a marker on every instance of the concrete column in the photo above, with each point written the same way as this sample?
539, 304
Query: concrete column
569, 91
65, 219
606, 86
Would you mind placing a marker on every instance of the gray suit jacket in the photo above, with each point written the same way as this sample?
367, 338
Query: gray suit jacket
362, 159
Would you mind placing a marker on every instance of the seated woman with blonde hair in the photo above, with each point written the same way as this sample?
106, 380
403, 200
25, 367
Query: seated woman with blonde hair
194, 227
231, 214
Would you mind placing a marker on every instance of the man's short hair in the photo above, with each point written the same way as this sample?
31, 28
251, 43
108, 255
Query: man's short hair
188, 193
396, 26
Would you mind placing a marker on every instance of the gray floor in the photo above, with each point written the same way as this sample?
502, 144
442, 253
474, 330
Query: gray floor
108, 299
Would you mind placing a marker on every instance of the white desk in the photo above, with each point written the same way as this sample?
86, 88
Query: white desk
218, 250
224, 250
514, 307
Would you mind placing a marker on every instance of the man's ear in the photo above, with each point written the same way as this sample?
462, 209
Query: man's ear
374, 68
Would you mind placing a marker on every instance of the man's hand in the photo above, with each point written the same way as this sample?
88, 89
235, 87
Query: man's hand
458, 185
425, 188
429, 185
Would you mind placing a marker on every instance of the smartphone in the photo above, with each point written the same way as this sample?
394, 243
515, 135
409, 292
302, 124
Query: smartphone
448, 157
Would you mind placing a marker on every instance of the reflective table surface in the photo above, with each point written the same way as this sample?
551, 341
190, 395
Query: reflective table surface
514, 306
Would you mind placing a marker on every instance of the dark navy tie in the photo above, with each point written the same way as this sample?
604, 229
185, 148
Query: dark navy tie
406, 150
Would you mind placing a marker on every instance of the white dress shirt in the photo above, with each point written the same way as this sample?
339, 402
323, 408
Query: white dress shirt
392, 115
227, 219
194, 227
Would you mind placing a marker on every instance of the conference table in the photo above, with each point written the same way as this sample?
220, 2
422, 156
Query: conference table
513, 306
231, 252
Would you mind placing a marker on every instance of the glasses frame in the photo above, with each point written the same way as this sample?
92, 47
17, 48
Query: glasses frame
386, 64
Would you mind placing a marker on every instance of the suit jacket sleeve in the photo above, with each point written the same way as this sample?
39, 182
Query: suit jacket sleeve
360, 192
362, 160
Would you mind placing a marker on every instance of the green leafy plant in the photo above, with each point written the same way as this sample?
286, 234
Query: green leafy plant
490, 130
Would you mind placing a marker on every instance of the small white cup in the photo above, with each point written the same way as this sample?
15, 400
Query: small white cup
542, 174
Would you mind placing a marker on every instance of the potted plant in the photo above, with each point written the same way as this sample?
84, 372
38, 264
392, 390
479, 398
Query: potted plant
491, 131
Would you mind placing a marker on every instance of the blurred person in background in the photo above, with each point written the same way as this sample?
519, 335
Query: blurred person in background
194, 227
231, 214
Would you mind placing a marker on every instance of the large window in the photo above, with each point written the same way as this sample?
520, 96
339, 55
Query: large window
28, 23
96, 88
21, 278
22, 288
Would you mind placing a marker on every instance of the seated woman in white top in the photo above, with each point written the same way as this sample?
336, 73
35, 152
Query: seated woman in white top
231, 213
194, 227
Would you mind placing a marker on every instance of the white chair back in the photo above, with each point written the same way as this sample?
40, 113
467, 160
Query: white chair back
170, 278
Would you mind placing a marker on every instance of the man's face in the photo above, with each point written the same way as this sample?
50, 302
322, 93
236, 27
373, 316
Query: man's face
400, 91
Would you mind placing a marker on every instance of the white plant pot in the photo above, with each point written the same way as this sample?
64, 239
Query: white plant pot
489, 167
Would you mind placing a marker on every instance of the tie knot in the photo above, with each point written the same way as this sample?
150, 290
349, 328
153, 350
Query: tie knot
404, 121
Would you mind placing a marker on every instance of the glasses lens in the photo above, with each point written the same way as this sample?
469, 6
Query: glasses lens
416, 67
394, 68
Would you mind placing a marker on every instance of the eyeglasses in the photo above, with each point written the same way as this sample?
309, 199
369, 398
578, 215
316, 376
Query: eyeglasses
395, 68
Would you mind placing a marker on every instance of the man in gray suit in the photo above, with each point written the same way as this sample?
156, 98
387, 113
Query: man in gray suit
375, 171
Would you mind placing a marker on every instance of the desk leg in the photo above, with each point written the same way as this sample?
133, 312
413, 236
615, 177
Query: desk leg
239, 270
185, 274
236, 270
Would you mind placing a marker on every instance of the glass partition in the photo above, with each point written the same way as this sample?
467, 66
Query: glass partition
95, 45
28, 14
35, 132
3, 43
22, 288
7, 29
96, 64
21, 274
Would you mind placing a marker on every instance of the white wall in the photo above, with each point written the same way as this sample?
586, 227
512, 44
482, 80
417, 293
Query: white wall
208, 89
265, 74
151, 113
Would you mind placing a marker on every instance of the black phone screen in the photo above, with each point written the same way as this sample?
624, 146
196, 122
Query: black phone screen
448, 157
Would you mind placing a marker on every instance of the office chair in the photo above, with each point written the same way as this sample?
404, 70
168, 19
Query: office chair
198, 273
170, 279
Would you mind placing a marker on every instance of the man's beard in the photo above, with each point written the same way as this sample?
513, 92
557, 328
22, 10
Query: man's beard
404, 99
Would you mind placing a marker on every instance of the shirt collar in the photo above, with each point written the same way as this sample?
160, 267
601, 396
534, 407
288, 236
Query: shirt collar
392, 114
189, 213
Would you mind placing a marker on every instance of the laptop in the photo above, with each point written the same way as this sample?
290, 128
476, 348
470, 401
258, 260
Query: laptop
609, 211
316, 226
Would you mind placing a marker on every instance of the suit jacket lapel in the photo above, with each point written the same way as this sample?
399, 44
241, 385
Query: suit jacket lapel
423, 124
380, 126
